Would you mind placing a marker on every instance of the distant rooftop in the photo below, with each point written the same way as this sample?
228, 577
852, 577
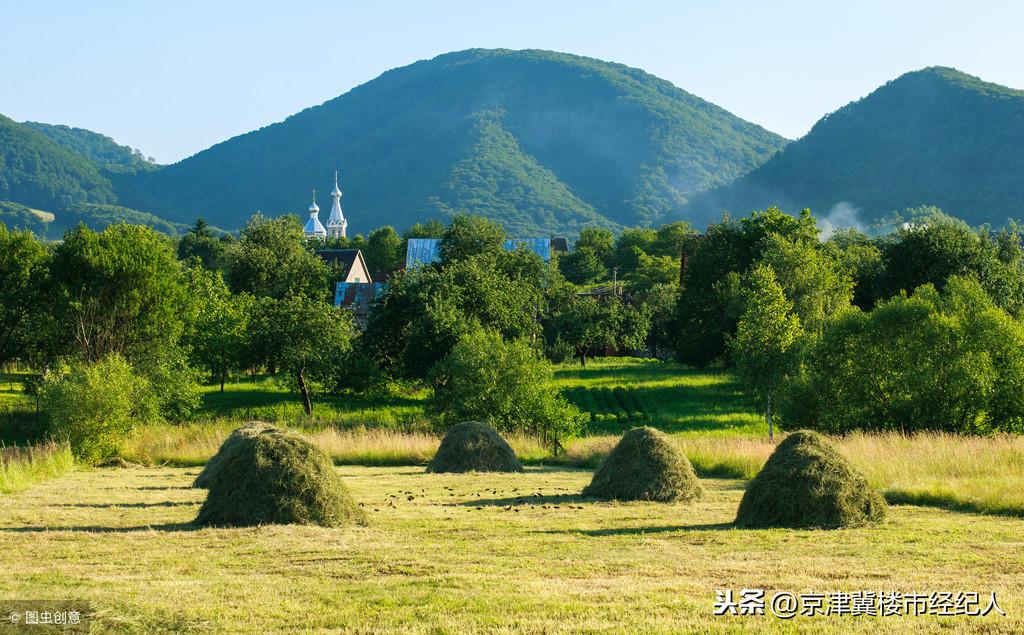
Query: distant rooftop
423, 251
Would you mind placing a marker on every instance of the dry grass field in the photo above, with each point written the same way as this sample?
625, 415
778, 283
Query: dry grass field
494, 553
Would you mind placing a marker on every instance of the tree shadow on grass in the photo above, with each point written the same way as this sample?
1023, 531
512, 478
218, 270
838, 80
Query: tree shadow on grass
526, 499
129, 505
168, 527
639, 531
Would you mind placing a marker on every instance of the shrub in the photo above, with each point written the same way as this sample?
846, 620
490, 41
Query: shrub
276, 477
474, 447
504, 383
645, 465
807, 484
226, 449
95, 406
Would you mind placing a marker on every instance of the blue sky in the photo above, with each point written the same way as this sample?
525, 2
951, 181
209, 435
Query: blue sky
173, 78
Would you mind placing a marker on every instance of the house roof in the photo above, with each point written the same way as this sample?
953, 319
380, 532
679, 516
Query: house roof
345, 258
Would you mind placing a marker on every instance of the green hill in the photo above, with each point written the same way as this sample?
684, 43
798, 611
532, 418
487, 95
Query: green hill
544, 142
931, 137
37, 172
101, 149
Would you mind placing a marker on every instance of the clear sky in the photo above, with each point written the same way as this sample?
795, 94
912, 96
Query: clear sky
172, 78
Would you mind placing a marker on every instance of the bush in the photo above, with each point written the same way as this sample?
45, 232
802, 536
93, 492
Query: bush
645, 465
474, 447
503, 383
276, 477
95, 406
807, 484
226, 449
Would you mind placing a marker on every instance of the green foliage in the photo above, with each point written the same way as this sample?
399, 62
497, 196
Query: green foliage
808, 484
271, 259
19, 217
766, 334
659, 302
276, 477
469, 236
935, 136
217, 335
24, 309
599, 240
98, 216
583, 266
199, 242
591, 325
95, 406
506, 384
542, 141
472, 446
37, 172
948, 361
652, 271
645, 465
94, 146
383, 251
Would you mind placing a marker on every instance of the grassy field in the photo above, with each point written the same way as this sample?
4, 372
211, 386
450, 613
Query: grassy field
459, 553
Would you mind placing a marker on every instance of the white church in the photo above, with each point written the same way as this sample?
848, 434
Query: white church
336, 224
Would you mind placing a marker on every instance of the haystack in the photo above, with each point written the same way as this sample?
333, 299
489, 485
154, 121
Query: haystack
645, 465
276, 477
474, 447
807, 484
213, 464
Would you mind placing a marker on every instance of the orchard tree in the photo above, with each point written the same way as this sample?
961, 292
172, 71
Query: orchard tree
469, 236
600, 241
24, 308
583, 266
383, 251
304, 338
271, 259
588, 325
217, 332
766, 336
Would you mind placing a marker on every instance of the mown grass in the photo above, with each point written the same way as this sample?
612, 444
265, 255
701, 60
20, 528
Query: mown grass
20, 467
478, 553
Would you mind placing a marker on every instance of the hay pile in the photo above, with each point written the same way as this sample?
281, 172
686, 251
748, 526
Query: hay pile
474, 447
645, 465
248, 430
276, 477
807, 484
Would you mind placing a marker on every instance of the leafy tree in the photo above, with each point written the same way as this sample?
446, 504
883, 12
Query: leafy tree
766, 336
672, 240
200, 242
652, 271
659, 302
599, 240
504, 383
590, 325
24, 290
383, 251
302, 337
469, 236
631, 245
217, 335
583, 266
271, 260
949, 360
95, 406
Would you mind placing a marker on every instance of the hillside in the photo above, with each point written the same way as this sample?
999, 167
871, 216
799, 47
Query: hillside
37, 172
99, 148
544, 142
931, 137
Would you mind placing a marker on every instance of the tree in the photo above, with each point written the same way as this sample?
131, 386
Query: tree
630, 246
24, 288
384, 251
302, 337
504, 383
199, 242
583, 266
652, 271
217, 334
659, 302
599, 240
118, 291
673, 239
469, 236
764, 346
271, 259
588, 324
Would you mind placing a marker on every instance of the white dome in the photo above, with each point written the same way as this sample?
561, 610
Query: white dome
314, 208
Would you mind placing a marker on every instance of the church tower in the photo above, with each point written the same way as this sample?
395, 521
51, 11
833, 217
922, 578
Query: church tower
336, 224
314, 228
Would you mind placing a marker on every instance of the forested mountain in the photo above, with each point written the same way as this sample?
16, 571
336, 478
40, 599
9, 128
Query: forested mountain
544, 142
37, 172
931, 137
100, 148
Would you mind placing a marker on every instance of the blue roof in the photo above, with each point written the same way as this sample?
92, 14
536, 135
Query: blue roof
423, 251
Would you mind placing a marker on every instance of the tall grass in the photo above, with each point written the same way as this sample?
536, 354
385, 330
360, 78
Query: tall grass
21, 467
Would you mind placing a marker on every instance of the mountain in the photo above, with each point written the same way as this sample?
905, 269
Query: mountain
37, 172
936, 136
543, 142
99, 148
